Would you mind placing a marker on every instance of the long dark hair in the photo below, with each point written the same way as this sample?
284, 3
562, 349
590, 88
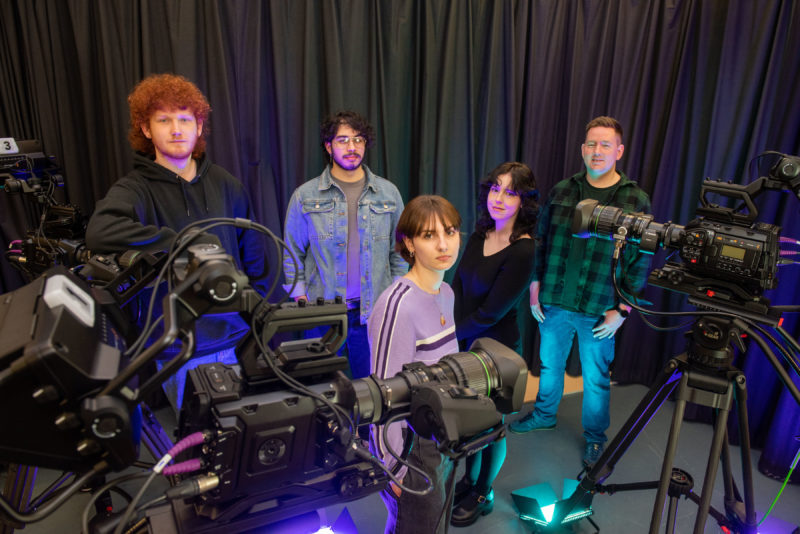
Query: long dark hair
524, 184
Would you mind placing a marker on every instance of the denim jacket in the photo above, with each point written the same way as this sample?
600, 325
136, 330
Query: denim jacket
316, 231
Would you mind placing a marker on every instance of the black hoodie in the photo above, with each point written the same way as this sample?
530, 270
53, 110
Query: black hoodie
147, 208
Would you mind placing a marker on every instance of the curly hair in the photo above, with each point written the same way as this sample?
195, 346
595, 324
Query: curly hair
524, 184
329, 127
165, 92
416, 218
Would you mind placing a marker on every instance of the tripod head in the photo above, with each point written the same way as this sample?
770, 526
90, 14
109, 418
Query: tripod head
711, 342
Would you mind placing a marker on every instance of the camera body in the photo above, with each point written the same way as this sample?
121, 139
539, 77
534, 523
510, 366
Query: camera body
272, 447
745, 255
283, 451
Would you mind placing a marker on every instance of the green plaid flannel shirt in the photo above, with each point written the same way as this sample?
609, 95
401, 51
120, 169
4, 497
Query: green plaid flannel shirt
595, 292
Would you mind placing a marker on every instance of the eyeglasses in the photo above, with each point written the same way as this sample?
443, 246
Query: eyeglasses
345, 141
604, 145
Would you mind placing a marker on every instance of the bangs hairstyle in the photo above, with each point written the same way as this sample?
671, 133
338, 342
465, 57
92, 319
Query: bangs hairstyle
166, 92
605, 122
329, 127
417, 217
524, 184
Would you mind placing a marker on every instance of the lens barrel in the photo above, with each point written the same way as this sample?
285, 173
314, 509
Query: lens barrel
591, 219
489, 368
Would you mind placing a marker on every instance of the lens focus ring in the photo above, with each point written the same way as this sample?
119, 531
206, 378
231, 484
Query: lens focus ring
469, 370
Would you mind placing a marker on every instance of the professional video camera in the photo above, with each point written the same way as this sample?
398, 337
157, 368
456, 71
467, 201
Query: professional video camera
729, 258
54, 228
272, 440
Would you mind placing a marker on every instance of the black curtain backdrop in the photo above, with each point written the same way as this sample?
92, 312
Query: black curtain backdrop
453, 88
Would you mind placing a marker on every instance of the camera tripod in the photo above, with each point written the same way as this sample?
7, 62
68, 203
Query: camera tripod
703, 375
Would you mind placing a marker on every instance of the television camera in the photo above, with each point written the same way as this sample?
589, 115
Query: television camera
54, 228
272, 439
729, 260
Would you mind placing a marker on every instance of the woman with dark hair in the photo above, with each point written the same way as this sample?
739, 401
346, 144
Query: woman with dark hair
494, 271
412, 321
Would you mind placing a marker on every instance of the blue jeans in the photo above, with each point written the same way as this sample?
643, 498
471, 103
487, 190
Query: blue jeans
556, 335
357, 345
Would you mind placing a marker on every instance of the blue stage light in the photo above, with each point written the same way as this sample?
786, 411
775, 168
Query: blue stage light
537, 504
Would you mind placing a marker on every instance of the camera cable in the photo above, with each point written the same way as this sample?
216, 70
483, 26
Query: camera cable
100, 491
56, 501
189, 441
384, 436
783, 486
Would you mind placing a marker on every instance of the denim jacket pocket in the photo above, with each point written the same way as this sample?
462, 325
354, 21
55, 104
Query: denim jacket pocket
319, 213
381, 215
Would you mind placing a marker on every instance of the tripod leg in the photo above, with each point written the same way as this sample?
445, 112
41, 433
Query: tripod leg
731, 493
711, 469
636, 422
669, 454
747, 462
671, 513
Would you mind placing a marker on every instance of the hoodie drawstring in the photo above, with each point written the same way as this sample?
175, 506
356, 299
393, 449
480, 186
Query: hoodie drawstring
205, 194
185, 200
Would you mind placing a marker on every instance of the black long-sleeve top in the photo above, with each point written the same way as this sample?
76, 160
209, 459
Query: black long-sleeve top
487, 290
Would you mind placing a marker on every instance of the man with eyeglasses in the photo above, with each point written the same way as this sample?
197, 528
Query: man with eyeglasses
573, 293
341, 225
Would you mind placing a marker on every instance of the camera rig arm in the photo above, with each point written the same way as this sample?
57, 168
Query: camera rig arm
209, 283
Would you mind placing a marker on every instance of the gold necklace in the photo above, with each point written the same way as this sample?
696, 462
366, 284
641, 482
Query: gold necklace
436, 298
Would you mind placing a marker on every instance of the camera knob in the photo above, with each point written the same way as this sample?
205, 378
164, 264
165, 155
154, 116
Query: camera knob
676, 277
87, 447
67, 421
45, 394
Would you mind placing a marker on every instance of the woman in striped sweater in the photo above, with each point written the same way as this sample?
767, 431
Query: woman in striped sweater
412, 321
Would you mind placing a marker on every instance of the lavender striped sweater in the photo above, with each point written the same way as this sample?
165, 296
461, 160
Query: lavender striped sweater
405, 326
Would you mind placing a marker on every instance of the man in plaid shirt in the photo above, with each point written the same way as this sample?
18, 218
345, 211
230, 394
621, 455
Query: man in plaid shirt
572, 292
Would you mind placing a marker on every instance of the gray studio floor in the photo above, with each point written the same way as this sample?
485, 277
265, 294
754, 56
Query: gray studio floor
554, 455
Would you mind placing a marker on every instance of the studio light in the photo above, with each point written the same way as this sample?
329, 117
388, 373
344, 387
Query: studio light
536, 505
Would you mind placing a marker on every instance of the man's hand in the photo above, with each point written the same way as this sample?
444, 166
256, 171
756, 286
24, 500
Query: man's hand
610, 325
536, 307
301, 297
